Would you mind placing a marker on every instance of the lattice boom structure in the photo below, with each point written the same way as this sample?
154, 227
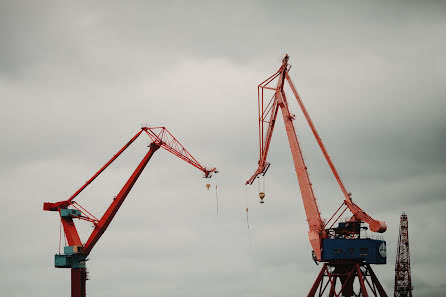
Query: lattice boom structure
403, 282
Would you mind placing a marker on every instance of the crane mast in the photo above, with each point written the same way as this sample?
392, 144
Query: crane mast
342, 246
75, 254
403, 279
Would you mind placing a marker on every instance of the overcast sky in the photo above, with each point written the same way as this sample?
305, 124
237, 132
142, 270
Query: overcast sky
78, 79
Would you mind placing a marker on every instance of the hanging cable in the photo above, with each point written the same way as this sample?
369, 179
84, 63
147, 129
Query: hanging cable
65, 240
60, 235
247, 217
216, 196
247, 206
258, 184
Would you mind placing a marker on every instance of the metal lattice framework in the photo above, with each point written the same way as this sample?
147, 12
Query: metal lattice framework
165, 139
403, 282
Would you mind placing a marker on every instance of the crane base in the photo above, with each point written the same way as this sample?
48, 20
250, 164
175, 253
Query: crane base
347, 279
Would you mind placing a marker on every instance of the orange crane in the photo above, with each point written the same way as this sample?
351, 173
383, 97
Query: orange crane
344, 251
76, 253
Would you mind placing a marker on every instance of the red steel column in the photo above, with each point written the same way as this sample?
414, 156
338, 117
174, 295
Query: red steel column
317, 282
78, 280
117, 202
361, 282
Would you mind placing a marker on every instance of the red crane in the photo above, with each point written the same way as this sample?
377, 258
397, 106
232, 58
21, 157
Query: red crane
76, 253
346, 254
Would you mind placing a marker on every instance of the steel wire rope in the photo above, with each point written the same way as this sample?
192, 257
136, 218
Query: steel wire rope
247, 207
216, 196
60, 235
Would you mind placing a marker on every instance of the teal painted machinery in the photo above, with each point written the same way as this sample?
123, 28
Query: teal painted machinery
72, 258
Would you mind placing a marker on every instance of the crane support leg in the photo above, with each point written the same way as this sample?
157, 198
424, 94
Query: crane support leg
375, 280
355, 279
318, 281
78, 280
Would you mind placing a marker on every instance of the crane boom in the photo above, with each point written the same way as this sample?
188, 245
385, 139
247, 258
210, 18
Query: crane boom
117, 202
267, 117
315, 224
165, 139
358, 213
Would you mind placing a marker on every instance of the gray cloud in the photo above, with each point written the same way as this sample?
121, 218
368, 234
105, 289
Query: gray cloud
77, 81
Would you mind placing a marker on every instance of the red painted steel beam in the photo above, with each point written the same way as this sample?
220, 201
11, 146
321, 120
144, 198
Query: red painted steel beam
315, 223
70, 231
117, 202
318, 139
375, 226
265, 141
64, 204
165, 139
317, 282
78, 282
376, 282
270, 111
361, 282
106, 165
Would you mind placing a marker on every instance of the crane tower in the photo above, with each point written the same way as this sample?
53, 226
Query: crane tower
403, 282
